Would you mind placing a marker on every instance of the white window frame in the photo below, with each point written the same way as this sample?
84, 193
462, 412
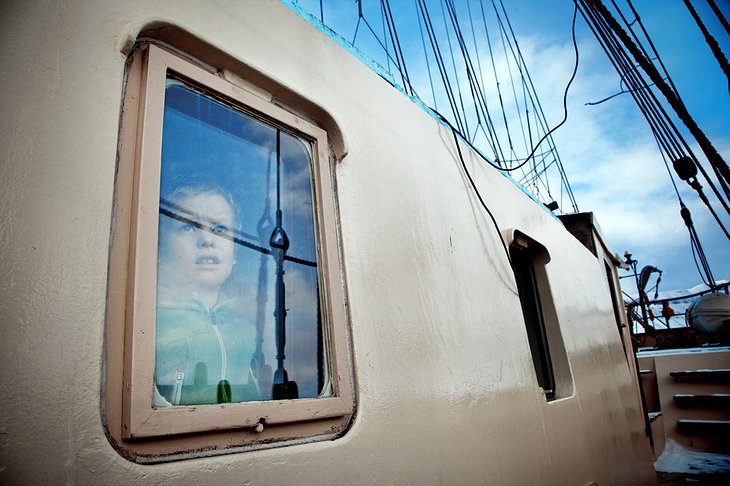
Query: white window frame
132, 281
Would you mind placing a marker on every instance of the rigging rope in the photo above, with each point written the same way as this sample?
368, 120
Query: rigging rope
456, 74
662, 126
712, 155
714, 46
428, 65
480, 102
651, 43
719, 15
440, 63
665, 133
463, 87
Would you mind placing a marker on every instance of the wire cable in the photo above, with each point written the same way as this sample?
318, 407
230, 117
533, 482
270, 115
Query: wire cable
479, 196
565, 102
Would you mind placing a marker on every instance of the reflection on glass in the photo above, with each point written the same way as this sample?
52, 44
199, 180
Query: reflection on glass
237, 295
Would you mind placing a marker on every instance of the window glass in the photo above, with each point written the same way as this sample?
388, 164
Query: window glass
237, 313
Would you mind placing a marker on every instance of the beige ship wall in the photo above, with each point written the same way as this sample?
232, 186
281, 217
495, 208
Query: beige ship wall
445, 386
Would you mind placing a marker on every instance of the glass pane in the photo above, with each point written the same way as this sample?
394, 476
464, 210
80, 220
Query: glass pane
225, 261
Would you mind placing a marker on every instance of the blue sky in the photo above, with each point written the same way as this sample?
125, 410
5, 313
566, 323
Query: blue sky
628, 186
609, 154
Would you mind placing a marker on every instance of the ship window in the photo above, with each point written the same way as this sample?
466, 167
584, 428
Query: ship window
614, 301
224, 278
237, 290
549, 358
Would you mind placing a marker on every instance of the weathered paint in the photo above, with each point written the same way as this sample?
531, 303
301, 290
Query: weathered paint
445, 386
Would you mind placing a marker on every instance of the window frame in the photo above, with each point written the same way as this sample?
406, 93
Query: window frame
131, 303
545, 340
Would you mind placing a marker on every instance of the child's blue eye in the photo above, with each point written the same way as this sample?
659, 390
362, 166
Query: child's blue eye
219, 229
188, 228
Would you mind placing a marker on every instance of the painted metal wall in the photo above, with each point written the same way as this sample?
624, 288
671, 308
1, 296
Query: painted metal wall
446, 391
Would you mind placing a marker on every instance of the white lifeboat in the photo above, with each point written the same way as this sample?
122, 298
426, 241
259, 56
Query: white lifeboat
710, 313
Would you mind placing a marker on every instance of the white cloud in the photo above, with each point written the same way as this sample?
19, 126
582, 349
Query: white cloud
608, 151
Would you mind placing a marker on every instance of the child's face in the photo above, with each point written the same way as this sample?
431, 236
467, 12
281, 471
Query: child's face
200, 259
